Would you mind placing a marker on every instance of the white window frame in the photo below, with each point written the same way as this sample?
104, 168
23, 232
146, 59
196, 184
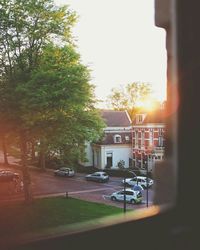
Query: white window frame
116, 137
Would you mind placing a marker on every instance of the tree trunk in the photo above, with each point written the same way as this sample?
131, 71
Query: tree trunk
26, 176
33, 151
5, 150
42, 156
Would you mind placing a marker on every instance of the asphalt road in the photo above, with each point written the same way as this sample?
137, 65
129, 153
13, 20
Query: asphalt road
46, 184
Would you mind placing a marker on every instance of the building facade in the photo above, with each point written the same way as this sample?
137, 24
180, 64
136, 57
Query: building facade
116, 145
148, 139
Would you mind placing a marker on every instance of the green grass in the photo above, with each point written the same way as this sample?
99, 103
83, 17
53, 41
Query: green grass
49, 212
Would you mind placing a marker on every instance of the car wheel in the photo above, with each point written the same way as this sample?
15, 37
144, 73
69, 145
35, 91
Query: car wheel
113, 198
132, 201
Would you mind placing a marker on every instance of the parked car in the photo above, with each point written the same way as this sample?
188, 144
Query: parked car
64, 171
133, 197
97, 176
8, 175
139, 180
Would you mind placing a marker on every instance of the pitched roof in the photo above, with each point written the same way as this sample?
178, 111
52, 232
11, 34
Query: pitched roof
114, 118
157, 116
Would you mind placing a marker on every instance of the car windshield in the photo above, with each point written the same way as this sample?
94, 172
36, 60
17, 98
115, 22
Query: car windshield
64, 169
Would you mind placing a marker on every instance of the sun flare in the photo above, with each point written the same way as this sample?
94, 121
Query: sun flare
147, 104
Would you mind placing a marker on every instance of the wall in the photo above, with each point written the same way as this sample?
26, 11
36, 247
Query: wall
120, 152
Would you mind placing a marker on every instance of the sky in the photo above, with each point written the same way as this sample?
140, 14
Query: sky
119, 42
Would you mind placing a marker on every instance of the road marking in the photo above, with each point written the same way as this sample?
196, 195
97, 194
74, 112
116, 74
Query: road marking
73, 192
88, 191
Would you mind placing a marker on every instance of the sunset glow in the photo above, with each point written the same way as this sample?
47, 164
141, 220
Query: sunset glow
147, 104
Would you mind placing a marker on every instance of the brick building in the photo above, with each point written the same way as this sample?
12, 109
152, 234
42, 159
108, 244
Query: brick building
148, 139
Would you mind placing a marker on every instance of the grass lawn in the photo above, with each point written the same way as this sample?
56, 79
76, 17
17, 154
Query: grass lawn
49, 212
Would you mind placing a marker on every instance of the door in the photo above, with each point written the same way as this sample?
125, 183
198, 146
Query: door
109, 160
120, 196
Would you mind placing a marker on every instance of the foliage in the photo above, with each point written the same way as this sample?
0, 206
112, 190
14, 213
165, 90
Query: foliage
60, 101
45, 95
121, 164
26, 27
128, 97
47, 91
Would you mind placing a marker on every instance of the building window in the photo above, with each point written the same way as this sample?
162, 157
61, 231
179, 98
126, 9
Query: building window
160, 141
142, 138
151, 137
127, 138
136, 139
117, 139
160, 132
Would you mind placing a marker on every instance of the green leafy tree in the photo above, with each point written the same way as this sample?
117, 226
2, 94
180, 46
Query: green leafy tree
128, 97
43, 87
58, 104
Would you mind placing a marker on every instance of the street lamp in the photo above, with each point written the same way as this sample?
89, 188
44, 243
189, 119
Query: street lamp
124, 194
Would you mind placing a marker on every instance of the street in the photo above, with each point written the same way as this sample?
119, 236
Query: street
46, 184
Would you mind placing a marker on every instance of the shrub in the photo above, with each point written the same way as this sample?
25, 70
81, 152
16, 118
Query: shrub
121, 164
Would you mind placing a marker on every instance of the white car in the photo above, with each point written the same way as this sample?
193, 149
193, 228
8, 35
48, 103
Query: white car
139, 180
64, 171
133, 197
97, 176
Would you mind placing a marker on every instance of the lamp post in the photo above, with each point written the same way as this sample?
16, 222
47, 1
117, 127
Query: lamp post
147, 186
124, 194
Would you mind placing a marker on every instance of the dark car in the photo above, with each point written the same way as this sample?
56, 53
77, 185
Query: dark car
8, 175
97, 176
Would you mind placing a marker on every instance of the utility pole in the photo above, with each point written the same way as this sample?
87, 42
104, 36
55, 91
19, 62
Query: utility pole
124, 194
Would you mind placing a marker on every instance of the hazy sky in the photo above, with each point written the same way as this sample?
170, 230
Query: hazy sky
120, 43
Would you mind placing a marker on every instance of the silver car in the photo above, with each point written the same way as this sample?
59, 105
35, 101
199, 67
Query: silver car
64, 171
97, 176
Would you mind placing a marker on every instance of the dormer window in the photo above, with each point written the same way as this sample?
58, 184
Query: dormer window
139, 118
117, 139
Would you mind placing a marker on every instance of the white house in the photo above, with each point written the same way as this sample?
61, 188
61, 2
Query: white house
116, 145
